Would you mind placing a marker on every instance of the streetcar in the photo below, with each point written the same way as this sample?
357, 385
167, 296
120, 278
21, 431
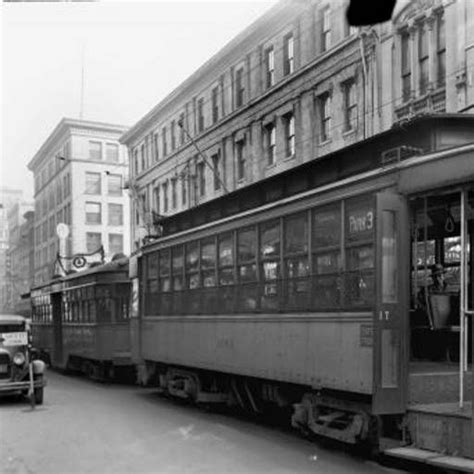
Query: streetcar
81, 321
302, 292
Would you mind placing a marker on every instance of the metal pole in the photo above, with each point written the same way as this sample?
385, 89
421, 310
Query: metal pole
462, 298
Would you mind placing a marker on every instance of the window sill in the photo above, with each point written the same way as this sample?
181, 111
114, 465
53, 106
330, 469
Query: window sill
289, 157
271, 166
349, 133
325, 142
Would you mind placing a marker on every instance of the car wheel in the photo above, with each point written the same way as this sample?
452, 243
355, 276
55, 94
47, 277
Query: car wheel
39, 391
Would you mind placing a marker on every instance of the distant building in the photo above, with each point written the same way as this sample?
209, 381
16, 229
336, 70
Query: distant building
9, 198
20, 253
79, 176
296, 85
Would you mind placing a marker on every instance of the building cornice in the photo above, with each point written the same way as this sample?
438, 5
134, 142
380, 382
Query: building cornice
64, 126
254, 34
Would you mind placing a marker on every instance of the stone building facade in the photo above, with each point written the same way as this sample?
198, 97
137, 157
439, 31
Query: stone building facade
79, 175
295, 85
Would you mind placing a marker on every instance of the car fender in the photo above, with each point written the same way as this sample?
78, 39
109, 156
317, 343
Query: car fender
38, 367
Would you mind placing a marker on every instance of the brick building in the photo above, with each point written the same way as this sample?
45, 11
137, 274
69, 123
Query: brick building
295, 85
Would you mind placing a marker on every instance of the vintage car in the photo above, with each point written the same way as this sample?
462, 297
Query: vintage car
19, 372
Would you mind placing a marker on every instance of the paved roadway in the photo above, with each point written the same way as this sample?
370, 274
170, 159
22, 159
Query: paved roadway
88, 427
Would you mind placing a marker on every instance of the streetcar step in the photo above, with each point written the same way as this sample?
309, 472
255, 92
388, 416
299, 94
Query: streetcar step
432, 458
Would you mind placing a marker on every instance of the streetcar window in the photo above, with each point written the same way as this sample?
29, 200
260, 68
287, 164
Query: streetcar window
296, 233
270, 239
178, 267
327, 227
208, 262
247, 244
226, 259
359, 288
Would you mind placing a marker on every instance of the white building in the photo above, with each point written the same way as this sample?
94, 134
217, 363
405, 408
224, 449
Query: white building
79, 175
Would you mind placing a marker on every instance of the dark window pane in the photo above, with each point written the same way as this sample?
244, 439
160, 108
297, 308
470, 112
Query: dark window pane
208, 253
248, 273
226, 276
164, 262
296, 234
297, 267
178, 260
327, 262
360, 258
153, 265
327, 227
208, 278
247, 245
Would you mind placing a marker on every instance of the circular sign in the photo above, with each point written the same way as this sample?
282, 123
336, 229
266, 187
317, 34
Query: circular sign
62, 230
79, 262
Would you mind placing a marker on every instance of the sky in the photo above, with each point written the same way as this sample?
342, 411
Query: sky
134, 54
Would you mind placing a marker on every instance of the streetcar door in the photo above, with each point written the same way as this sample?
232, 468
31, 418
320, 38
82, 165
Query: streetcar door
391, 308
57, 355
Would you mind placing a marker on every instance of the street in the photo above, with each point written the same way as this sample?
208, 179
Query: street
89, 427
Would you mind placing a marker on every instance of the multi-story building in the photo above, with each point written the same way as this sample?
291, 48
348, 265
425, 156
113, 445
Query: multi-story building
20, 252
8, 199
294, 86
79, 175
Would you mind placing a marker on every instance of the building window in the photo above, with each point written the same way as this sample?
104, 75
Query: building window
112, 152
156, 198
66, 185
423, 58
93, 241
115, 214
59, 194
239, 87
406, 66
183, 189
441, 50
135, 161
201, 178
216, 172
288, 54
114, 185
325, 116
95, 150
93, 213
326, 29
143, 158
174, 199
93, 183
215, 104
156, 147
240, 158
163, 139
165, 196
289, 130
270, 143
200, 114
115, 243
52, 225
350, 105
173, 135
182, 137
269, 67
